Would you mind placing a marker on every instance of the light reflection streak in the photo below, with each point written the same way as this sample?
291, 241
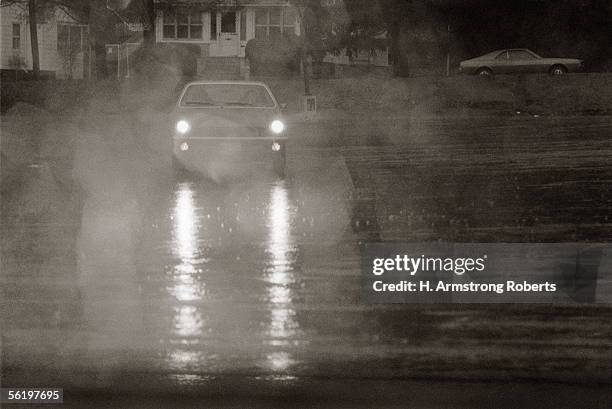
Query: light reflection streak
279, 242
280, 278
188, 321
184, 360
280, 361
190, 379
185, 286
185, 225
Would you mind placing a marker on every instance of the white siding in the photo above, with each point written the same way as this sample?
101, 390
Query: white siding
8, 16
250, 20
206, 27
50, 60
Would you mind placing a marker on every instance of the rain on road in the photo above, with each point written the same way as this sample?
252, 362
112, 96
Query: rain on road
163, 283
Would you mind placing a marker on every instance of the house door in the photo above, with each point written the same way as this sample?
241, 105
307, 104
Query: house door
228, 39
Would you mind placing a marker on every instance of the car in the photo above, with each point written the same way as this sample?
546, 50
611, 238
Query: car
518, 61
219, 126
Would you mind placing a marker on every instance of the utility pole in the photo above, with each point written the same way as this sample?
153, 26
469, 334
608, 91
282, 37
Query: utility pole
304, 49
448, 44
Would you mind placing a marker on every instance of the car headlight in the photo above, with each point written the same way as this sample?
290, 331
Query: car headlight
183, 126
277, 126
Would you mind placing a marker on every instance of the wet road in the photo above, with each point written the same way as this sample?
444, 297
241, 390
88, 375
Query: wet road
154, 284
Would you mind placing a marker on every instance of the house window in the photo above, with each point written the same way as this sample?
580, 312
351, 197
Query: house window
289, 19
271, 22
16, 36
169, 25
182, 25
228, 22
71, 38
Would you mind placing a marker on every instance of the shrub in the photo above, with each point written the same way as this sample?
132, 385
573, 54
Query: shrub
166, 59
273, 56
52, 95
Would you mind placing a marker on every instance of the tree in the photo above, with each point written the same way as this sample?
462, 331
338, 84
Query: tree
355, 24
332, 25
379, 23
369, 25
142, 11
309, 12
34, 39
104, 18
32, 13
149, 33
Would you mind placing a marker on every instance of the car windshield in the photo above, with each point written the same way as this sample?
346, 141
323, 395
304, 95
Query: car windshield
245, 95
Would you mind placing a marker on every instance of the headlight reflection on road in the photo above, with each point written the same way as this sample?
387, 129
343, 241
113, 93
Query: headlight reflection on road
280, 361
279, 244
182, 360
185, 285
188, 321
280, 277
185, 224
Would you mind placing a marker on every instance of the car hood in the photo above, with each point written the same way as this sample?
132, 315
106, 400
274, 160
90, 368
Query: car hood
482, 57
227, 117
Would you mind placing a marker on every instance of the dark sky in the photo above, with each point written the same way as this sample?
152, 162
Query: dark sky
581, 28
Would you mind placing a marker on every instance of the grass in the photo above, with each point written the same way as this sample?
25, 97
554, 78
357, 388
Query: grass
588, 94
571, 94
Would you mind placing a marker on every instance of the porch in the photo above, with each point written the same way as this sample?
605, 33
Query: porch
225, 31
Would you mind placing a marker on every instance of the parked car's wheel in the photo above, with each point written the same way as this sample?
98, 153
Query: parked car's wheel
280, 162
484, 72
558, 70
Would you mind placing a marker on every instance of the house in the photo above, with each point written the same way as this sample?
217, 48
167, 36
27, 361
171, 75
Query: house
374, 57
222, 28
120, 55
367, 47
63, 43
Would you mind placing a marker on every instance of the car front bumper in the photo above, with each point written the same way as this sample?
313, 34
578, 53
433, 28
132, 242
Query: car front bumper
197, 152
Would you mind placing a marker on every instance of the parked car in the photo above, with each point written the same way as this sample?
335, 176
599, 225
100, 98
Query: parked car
518, 61
223, 122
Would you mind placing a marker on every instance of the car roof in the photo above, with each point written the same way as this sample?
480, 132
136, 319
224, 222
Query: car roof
222, 82
495, 53
508, 49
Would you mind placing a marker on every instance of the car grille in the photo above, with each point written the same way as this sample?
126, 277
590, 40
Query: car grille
236, 132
